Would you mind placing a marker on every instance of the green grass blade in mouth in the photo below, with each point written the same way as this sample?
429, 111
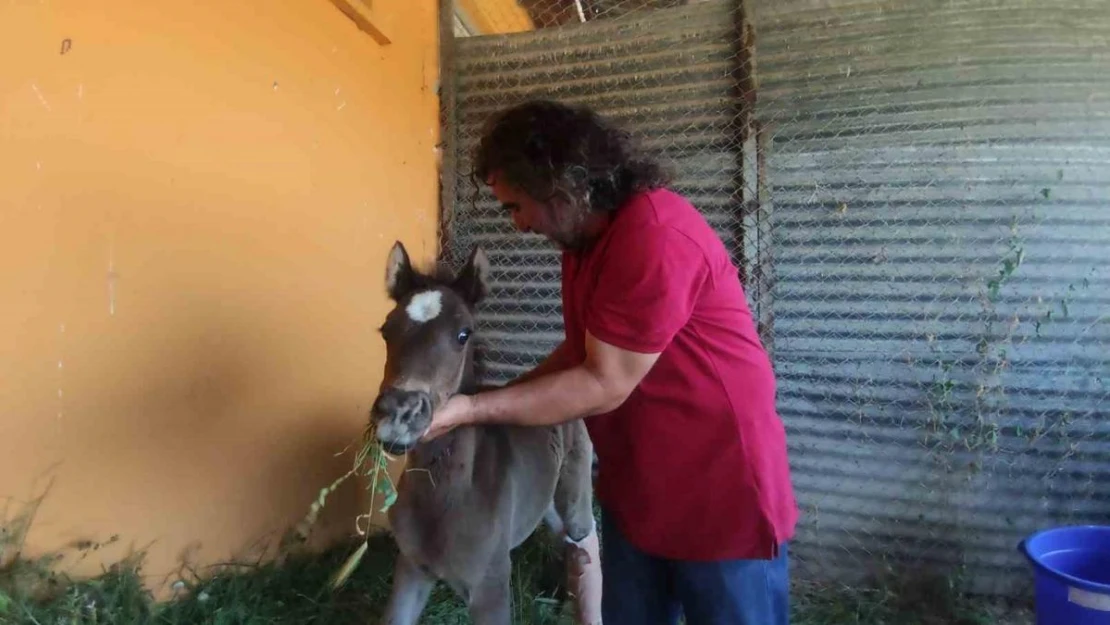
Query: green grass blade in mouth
371, 462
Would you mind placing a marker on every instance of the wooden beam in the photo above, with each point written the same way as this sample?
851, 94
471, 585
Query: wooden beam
361, 13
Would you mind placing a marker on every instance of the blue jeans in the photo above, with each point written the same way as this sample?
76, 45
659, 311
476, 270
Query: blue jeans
639, 589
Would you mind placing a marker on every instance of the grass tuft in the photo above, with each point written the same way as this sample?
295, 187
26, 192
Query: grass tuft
297, 589
300, 588
908, 600
370, 462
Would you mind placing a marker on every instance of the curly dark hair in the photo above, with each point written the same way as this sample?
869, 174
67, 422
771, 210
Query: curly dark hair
553, 151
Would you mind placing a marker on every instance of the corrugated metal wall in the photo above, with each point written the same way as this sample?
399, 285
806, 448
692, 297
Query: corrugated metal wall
940, 178
669, 76
934, 196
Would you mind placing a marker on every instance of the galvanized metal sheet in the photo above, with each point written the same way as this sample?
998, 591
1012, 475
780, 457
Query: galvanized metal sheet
940, 175
668, 75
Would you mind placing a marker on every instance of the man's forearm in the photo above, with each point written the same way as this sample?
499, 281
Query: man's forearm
550, 399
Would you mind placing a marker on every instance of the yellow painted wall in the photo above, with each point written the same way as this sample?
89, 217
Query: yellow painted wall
196, 202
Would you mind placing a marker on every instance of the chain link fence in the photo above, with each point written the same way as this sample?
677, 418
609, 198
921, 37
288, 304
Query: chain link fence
918, 197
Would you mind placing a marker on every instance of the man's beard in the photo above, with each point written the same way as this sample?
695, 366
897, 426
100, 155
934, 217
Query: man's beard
569, 223
569, 243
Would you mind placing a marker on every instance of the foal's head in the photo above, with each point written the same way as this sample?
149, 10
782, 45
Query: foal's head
428, 348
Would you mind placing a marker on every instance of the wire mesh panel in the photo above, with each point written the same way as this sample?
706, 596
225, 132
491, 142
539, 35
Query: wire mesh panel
669, 75
940, 174
918, 194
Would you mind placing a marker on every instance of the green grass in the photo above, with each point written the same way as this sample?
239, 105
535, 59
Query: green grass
296, 589
263, 593
884, 605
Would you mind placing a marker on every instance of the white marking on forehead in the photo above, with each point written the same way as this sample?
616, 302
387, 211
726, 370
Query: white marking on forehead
423, 307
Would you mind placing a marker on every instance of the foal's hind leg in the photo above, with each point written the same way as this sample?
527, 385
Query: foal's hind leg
574, 506
411, 589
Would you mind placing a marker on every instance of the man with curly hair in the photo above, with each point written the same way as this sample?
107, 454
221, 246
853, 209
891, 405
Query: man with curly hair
662, 360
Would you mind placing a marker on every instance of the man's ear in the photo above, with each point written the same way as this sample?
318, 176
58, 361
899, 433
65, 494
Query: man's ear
399, 276
473, 281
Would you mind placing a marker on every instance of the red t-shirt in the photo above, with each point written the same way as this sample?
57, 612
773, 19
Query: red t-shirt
693, 465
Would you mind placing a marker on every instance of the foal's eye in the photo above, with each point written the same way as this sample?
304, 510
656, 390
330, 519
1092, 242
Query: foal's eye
464, 336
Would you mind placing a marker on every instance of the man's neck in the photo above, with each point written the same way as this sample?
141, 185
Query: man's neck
595, 225
593, 228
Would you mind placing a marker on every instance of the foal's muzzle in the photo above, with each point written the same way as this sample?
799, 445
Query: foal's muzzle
402, 417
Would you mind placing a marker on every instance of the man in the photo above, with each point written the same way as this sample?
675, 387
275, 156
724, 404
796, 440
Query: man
662, 359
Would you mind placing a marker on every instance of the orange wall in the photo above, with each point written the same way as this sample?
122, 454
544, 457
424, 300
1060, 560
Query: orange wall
196, 203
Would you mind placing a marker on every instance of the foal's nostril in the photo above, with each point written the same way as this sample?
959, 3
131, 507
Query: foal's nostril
416, 404
403, 405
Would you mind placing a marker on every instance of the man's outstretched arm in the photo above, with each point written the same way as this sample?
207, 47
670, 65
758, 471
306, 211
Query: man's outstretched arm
601, 383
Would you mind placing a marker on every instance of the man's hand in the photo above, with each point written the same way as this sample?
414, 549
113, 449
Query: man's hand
455, 412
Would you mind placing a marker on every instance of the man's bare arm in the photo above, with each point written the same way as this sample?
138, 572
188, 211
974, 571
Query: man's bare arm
599, 384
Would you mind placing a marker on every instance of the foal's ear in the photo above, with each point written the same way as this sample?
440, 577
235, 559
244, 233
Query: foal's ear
399, 276
473, 281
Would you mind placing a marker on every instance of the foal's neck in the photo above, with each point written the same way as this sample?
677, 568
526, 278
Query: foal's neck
433, 455
434, 452
453, 448
446, 462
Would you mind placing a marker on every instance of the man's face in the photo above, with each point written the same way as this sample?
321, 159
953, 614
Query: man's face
560, 224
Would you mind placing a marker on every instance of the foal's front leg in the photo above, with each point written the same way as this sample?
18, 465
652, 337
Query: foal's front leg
409, 595
490, 600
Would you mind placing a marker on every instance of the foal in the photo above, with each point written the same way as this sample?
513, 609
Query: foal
470, 496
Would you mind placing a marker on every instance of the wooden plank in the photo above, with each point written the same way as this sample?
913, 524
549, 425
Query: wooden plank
363, 15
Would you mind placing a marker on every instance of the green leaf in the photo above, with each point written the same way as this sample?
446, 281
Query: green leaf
390, 499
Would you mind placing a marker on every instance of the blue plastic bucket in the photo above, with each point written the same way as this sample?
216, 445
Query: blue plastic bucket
1071, 567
